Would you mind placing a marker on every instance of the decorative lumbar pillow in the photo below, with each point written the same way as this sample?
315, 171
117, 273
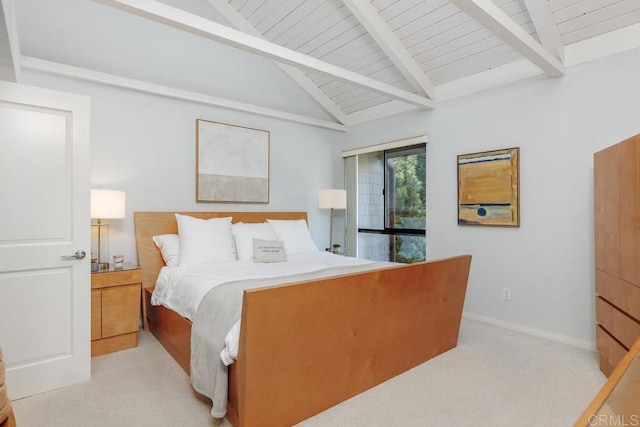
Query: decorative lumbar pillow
204, 241
268, 251
169, 246
243, 235
295, 235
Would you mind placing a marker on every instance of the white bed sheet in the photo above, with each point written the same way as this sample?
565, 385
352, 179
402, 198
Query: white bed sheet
181, 289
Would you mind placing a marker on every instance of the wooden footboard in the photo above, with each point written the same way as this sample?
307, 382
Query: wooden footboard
308, 346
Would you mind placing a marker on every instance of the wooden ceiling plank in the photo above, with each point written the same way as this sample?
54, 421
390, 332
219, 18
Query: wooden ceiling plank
400, 8
441, 16
490, 58
456, 37
365, 103
179, 19
468, 44
327, 24
589, 17
238, 21
584, 7
574, 34
307, 8
370, 54
356, 48
449, 28
265, 10
389, 43
546, 27
467, 33
251, 6
334, 91
264, 22
492, 17
379, 111
557, 5
57, 69
303, 31
348, 24
10, 68
468, 52
354, 93
409, 18
338, 42
450, 74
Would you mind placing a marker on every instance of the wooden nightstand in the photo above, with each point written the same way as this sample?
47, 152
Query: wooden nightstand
115, 309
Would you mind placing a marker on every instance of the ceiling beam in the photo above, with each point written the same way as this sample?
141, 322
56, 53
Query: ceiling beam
380, 31
546, 27
239, 22
58, 69
499, 23
9, 43
199, 26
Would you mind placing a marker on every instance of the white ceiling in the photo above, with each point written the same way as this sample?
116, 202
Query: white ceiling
338, 62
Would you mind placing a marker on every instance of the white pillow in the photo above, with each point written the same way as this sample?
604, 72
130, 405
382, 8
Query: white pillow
243, 235
204, 241
268, 251
169, 246
295, 235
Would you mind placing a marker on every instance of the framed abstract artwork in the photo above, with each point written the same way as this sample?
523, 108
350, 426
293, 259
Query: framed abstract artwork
489, 188
232, 163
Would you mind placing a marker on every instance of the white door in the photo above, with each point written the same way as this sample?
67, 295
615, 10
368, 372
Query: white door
44, 215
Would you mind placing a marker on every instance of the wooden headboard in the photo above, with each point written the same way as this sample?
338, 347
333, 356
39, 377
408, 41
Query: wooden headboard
149, 224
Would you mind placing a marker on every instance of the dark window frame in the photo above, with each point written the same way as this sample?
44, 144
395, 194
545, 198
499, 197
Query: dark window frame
394, 231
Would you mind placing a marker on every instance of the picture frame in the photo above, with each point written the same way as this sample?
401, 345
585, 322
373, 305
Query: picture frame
489, 188
232, 163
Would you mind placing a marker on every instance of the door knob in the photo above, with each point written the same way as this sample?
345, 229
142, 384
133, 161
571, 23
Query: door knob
80, 254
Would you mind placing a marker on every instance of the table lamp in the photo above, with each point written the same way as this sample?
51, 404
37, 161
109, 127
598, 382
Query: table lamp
332, 199
105, 204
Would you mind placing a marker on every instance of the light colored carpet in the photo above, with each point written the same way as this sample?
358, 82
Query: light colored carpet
494, 377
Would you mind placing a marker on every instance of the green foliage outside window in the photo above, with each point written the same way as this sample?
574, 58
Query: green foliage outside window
410, 206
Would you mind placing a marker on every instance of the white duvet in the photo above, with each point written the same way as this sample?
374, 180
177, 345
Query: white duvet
181, 289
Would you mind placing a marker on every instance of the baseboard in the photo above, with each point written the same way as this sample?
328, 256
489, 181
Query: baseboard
575, 342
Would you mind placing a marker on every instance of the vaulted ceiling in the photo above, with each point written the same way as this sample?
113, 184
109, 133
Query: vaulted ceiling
357, 60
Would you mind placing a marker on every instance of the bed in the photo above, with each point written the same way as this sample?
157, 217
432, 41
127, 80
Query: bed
344, 334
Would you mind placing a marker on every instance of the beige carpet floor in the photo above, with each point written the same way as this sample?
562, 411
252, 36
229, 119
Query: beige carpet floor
494, 377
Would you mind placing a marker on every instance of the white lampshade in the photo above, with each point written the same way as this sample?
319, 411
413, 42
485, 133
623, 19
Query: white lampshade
332, 199
107, 204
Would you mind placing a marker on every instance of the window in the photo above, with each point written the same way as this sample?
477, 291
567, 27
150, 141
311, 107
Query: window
392, 204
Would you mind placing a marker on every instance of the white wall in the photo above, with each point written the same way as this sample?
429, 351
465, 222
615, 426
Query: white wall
145, 145
558, 125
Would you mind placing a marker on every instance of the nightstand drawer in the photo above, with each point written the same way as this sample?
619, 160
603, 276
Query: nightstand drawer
120, 310
115, 278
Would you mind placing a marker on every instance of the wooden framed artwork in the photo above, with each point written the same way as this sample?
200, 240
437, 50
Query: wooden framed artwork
489, 188
232, 163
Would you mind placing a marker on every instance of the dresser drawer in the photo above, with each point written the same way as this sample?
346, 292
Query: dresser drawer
622, 327
611, 352
619, 293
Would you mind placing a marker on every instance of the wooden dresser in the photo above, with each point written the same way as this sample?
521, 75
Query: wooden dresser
617, 250
115, 309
